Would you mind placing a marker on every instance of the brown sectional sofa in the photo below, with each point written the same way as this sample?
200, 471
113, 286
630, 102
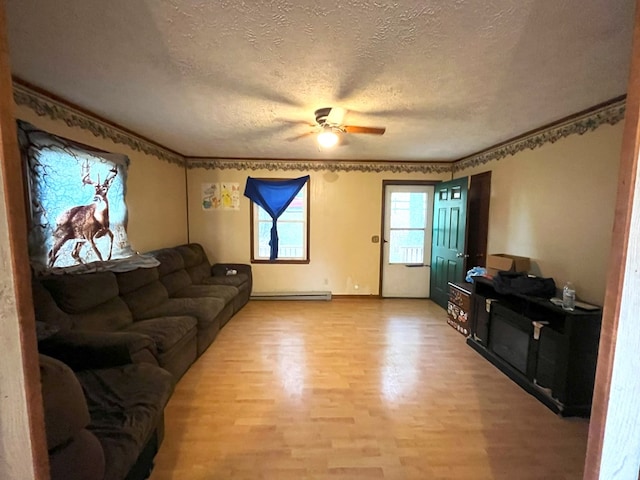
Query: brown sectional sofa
96, 310
156, 319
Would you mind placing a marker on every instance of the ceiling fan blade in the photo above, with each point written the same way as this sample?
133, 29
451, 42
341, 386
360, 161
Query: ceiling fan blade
336, 116
295, 122
298, 137
344, 141
370, 130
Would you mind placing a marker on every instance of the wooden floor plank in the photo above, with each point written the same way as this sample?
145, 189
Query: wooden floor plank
352, 389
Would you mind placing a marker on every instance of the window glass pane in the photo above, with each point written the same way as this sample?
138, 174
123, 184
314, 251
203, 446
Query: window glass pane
406, 246
408, 210
290, 240
296, 209
264, 237
292, 216
262, 214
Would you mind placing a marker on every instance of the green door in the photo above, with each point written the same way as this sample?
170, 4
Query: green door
449, 226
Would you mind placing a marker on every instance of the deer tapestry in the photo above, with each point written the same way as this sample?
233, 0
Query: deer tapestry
77, 201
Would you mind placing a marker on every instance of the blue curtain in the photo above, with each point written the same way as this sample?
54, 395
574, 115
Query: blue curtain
274, 196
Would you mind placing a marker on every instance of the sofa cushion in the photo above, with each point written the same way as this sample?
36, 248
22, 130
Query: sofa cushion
166, 332
109, 316
135, 279
80, 292
205, 310
142, 301
224, 292
199, 273
86, 455
83, 350
192, 254
176, 281
170, 261
196, 262
65, 409
237, 280
46, 309
126, 406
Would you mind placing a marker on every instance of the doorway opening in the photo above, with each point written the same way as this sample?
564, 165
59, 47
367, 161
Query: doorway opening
407, 222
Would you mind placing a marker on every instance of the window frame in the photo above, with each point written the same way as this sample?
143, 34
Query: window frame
253, 220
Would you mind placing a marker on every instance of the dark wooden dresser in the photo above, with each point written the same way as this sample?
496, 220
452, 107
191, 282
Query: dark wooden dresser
548, 351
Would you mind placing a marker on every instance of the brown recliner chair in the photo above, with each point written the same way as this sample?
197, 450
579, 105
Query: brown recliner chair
66, 417
103, 424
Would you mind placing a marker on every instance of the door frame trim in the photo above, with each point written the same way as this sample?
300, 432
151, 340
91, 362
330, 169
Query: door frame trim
27, 455
614, 410
385, 183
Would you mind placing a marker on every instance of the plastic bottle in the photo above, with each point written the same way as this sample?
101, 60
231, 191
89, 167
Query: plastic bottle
569, 297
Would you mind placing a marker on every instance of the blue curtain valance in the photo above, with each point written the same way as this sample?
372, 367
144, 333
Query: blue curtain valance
274, 196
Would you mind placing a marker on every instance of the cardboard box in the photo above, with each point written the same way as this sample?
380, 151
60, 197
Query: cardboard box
505, 262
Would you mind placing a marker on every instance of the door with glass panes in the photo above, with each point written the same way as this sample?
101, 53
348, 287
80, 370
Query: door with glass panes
408, 221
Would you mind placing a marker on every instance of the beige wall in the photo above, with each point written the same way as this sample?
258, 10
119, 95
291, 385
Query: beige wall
345, 214
156, 189
555, 204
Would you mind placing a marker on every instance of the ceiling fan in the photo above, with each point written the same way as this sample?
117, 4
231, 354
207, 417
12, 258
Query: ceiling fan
329, 127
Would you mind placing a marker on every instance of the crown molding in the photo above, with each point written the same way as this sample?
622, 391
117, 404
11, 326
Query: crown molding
46, 106
318, 165
608, 113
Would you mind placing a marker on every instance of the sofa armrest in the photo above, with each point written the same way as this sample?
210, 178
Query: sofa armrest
83, 350
220, 269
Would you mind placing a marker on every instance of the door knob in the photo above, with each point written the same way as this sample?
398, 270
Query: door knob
462, 255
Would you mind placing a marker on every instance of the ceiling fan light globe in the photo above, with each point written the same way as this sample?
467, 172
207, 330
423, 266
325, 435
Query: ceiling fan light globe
327, 139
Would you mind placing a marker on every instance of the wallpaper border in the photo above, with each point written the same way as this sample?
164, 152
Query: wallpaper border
610, 113
45, 106
318, 165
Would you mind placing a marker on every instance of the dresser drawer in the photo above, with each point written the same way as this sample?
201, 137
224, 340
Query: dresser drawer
460, 297
458, 308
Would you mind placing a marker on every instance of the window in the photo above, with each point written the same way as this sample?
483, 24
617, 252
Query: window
293, 231
407, 227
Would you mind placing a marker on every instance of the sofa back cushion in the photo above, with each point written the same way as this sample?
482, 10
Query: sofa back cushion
135, 279
110, 316
91, 300
78, 293
176, 281
172, 273
141, 290
170, 261
195, 261
46, 309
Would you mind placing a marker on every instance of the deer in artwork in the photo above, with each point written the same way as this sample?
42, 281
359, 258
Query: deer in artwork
85, 223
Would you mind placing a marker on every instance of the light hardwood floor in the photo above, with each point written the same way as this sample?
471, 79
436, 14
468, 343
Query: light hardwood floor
357, 389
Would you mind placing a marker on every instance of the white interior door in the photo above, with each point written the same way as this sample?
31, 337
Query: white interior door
408, 221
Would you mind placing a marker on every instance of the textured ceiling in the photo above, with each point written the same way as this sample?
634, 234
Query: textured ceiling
239, 79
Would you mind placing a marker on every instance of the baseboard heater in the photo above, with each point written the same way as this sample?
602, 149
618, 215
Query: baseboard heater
292, 296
